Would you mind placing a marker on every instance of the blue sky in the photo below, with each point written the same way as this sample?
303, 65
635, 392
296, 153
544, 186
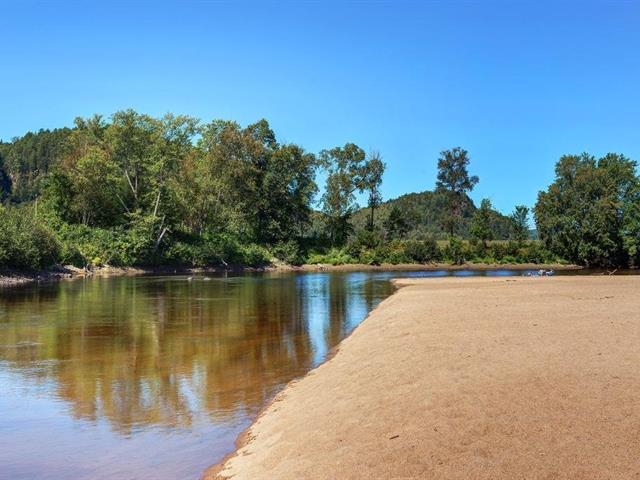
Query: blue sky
516, 83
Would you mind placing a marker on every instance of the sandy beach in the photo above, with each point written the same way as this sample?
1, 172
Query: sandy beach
466, 378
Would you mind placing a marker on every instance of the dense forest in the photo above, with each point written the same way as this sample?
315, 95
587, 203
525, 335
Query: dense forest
139, 190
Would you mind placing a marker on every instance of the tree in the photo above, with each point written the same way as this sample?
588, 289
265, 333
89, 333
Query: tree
27, 160
520, 223
454, 179
481, 223
346, 168
249, 184
374, 170
396, 224
289, 187
589, 215
631, 226
5, 182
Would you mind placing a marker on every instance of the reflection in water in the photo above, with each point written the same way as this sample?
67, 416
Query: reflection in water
153, 377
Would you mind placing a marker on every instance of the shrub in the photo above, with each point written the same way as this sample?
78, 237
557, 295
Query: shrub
456, 251
421, 251
535, 252
24, 242
288, 252
335, 256
361, 245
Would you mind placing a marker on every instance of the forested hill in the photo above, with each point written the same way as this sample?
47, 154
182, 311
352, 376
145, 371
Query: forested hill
424, 214
25, 161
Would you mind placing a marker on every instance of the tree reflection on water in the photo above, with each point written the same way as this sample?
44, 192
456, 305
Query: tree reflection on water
146, 353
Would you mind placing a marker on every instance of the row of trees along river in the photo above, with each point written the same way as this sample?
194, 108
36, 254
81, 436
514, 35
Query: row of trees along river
139, 190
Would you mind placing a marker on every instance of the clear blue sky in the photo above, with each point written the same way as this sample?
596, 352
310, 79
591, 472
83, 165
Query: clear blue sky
516, 83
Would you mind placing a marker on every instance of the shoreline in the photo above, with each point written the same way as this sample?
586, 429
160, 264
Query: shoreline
14, 277
212, 473
286, 441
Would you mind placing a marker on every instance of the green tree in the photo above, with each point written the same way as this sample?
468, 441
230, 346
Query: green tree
481, 223
396, 224
589, 214
372, 179
5, 181
520, 223
345, 167
454, 179
27, 160
24, 242
250, 184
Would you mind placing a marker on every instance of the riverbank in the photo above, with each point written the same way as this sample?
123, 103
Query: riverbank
18, 277
399, 267
9, 278
466, 378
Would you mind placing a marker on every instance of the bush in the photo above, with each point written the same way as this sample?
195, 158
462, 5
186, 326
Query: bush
85, 246
396, 253
361, 245
254, 256
456, 251
24, 242
288, 252
335, 256
535, 252
421, 251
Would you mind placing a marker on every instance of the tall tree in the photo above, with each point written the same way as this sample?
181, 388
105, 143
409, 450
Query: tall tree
345, 175
481, 223
454, 179
520, 223
396, 225
372, 179
289, 186
252, 185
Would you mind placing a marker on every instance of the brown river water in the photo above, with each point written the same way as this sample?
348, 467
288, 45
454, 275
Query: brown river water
154, 377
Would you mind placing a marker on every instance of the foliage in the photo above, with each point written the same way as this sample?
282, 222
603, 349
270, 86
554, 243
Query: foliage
426, 250
481, 230
422, 251
139, 190
372, 180
456, 251
349, 171
396, 224
589, 214
335, 256
345, 167
455, 181
520, 223
25, 162
24, 242
415, 215
288, 252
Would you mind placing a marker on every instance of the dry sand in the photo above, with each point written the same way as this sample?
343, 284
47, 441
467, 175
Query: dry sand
476, 378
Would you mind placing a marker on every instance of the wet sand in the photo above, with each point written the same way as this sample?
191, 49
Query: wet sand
467, 378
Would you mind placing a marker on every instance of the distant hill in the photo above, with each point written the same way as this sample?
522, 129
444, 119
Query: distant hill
25, 161
425, 213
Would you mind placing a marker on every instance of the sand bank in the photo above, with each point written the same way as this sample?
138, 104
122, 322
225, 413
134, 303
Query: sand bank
474, 378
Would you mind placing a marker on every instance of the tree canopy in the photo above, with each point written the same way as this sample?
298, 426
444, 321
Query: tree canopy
454, 179
590, 214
